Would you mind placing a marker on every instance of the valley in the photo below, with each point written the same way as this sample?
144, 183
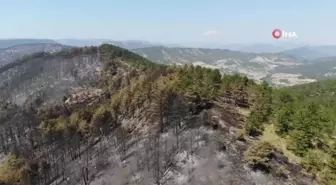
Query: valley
277, 69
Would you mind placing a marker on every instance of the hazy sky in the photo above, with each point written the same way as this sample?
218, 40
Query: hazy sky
169, 21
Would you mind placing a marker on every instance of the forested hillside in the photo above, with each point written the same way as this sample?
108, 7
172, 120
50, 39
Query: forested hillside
304, 125
146, 123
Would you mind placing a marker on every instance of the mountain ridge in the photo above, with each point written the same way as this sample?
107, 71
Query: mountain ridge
276, 68
12, 53
5, 43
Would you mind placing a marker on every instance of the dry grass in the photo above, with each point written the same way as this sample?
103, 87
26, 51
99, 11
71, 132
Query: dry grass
243, 111
270, 136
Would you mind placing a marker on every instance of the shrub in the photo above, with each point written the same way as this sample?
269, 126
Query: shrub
258, 155
11, 172
254, 125
101, 120
313, 161
328, 177
282, 171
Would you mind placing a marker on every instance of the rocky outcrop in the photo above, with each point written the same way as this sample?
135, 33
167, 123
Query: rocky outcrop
84, 97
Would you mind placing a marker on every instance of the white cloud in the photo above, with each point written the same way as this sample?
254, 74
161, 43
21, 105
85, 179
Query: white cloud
211, 32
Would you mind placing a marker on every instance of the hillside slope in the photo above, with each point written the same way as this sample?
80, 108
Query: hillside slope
303, 125
9, 54
133, 122
319, 69
48, 76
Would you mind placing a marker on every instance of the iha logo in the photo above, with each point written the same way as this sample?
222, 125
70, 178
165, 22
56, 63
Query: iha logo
277, 34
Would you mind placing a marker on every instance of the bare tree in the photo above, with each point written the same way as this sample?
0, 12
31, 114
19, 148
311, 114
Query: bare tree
148, 152
85, 175
177, 112
122, 142
157, 161
191, 166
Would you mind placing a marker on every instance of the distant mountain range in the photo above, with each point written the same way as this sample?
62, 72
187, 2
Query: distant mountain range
287, 67
6, 43
82, 42
298, 50
273, 47
311, 52
255, 65
130, 44
257, 48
